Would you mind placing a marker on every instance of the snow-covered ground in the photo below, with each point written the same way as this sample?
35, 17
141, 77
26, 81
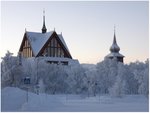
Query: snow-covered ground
14, 99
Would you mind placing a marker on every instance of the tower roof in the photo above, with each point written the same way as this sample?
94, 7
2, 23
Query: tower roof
44, 27
114, 47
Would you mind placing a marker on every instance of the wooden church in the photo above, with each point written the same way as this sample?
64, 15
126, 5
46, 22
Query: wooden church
45, 44
114, 51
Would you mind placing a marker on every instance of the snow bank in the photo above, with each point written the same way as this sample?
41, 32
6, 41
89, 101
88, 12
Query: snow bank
41, 102
14, 99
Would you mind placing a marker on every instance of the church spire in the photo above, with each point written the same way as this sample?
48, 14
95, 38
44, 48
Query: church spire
114, 50
44, 27
114, 47
114, 41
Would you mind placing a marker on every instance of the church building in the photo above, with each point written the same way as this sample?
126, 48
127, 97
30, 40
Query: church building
50, 45
114, 51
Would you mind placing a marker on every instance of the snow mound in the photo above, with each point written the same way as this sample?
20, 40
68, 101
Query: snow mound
9, 99
14, 99
40, 103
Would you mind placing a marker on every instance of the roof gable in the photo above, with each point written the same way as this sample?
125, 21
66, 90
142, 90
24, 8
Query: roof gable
38, 40
60, 40
63, 41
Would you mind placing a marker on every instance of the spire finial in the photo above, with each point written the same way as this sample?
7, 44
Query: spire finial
43, 12
61, 33
25, 30
54, 28
114, 41
44, 27
114, 47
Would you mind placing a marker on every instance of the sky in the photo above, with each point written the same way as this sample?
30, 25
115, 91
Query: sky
87, 26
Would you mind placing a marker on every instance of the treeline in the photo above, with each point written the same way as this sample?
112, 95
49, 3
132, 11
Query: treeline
108, 77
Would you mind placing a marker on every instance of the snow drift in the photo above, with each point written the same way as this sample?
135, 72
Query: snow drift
14, 99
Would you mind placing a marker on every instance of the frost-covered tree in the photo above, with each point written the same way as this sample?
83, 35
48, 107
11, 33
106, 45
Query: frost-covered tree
91, 81
144, 85
102, 72
29, 69
106, 74
119, 87
41, 86
118, 78
109, 76
17, 78
131, 82
76, 79
142, 75
54, 78
140, 71
7, 69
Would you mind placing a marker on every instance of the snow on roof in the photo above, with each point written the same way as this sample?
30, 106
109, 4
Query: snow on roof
63, 41
38, 40
114, 54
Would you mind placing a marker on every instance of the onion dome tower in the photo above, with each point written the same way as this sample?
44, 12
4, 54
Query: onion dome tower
114, 50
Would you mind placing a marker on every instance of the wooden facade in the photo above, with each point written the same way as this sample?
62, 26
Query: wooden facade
26, 49
52, 48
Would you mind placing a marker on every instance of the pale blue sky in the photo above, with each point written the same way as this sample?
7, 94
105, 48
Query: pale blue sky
87, 27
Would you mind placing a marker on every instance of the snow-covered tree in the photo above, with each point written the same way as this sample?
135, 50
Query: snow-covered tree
7, 69
119, 87
76, 79
55, 78
29, 67
106, 74
109, 76
140, 71
90, 82
41, 86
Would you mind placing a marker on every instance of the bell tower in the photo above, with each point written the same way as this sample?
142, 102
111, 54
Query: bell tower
114, 50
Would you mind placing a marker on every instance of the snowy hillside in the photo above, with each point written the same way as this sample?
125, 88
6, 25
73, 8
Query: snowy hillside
14, 99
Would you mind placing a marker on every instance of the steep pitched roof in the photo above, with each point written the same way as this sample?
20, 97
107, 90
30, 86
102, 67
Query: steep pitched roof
38, 40
63, 41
